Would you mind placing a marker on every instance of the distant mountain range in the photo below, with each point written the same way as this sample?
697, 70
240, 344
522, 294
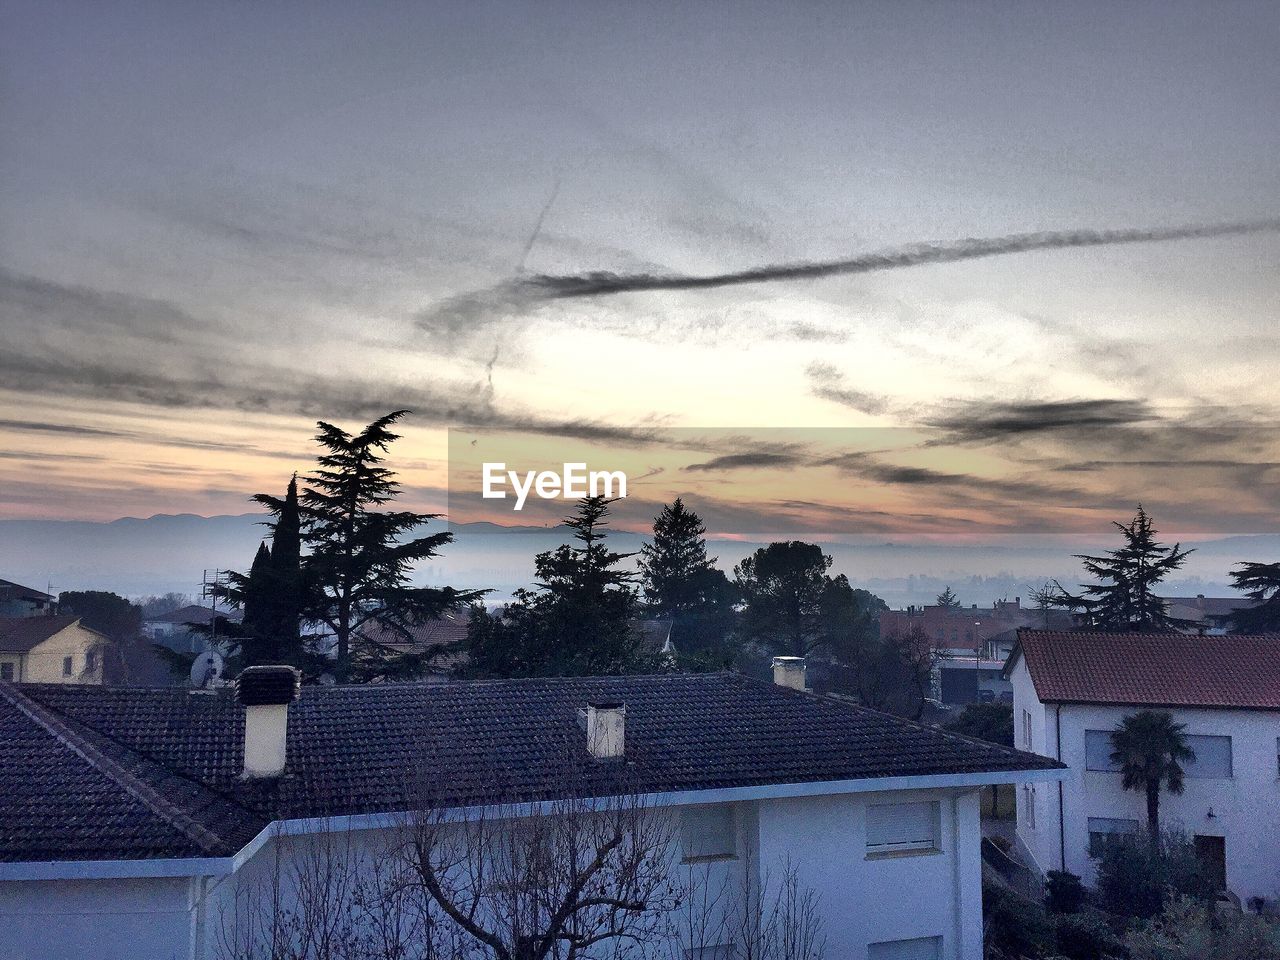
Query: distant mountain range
164, 553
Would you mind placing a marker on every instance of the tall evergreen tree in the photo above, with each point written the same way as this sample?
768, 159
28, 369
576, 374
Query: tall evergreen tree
948, 599
360, 557
579, 619
1125, 597
273, 595
1260, 582
682, 583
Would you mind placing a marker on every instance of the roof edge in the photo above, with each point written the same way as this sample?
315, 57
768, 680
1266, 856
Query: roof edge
158, 867
65, 734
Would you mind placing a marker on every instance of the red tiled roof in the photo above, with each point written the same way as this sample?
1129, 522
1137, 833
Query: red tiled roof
1153, 669
23, 634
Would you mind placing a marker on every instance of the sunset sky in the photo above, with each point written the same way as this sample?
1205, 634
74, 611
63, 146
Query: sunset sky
219, 223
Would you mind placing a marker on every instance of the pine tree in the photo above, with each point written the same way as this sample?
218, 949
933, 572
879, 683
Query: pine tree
948, 599
1260, 582
682, 584
360, 557
791, 606
579, 619
1125, 597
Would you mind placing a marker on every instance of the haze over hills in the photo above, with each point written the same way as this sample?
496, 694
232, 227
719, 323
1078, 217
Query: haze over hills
163, 553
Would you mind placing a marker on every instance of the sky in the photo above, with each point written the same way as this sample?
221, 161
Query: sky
222, 222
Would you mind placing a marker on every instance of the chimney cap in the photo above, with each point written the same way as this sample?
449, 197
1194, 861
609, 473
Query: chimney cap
268, 685
606, 704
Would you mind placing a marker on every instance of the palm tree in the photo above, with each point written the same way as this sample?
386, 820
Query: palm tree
1150, 749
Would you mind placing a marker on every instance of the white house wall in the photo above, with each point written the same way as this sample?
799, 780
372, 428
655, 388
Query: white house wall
862, 900
103, 919
1246, 807
895, 898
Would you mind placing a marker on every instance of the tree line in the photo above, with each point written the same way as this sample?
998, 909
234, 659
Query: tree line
330, 591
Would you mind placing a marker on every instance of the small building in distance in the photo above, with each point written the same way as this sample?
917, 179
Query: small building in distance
51, 649
19, 601
971, 644
174, 629
1204, 614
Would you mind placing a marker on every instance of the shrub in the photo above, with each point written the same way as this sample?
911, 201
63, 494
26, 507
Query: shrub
1189, 929
1086, 936
1064, 893
1135, 880
1014, 926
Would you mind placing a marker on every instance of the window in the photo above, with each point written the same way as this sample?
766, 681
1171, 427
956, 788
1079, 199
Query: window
1213, 757
1102, 829
91, 661
1029, 806
720, 951
921, 948
66, 666
1097, 751
895, 827
6, 672
708, 833
1026, 729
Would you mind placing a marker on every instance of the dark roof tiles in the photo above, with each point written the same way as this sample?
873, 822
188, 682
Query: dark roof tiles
390, 747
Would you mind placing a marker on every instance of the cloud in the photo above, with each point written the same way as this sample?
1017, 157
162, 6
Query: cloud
982, 420
604, 283
740, 461
828, 384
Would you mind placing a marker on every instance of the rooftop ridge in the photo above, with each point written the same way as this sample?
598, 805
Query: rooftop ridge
65, 734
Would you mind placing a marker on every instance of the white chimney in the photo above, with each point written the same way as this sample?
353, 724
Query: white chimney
606, 729
266, 693
789, 672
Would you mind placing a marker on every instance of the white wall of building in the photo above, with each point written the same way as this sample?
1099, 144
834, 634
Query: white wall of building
863, 899
103, 919
1245, 806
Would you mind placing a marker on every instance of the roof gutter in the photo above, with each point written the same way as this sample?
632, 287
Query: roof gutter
222, 866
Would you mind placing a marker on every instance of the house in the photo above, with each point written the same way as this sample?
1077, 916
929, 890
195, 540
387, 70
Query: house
445, 634
1070, 690
962, 631
173, 629
1204, 614
131, 826
19, 601
57, 649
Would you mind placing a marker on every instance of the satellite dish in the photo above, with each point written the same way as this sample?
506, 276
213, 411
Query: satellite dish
206, 671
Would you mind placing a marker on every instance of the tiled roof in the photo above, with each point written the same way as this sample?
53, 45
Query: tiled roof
1153, 669
72, 794
190, 614
10, 589
386, 747
446, 634
23, 634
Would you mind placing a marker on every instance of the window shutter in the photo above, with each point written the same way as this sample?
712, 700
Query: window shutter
921, 948
708, 832
902, 824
